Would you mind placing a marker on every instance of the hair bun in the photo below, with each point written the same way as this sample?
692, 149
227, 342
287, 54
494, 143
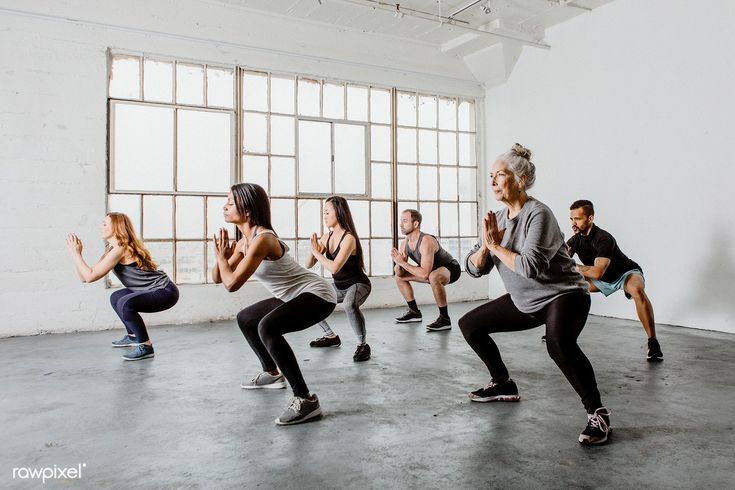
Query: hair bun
521, 151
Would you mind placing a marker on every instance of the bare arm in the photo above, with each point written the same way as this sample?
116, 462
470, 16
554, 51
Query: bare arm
233, 253
97, 271
594, 271
318, 246
348, 246
259, 249
429, 246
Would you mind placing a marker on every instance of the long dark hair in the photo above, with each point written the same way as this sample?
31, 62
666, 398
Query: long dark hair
344, 218
252, 200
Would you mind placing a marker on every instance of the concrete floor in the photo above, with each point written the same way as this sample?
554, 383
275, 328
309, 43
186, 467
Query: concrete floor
400, 420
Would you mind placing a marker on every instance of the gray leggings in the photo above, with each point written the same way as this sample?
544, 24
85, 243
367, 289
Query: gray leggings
352, 298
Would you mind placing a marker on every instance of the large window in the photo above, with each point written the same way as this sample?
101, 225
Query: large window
181, 133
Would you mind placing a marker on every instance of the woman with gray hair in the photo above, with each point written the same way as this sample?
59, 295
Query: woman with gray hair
524, 242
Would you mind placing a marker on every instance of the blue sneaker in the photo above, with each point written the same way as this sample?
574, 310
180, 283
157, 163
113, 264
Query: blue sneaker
141, 352
126, 341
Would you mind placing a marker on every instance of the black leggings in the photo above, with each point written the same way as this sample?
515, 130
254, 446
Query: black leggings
565, 317
264, 323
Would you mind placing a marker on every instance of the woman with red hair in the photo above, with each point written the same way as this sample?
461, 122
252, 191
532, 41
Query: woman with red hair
147, 289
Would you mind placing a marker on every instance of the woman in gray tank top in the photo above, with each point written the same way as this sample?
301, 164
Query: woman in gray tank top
146, 290
301, 298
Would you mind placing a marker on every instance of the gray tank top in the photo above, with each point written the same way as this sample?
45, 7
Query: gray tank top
286, 279
136, 279
441, 257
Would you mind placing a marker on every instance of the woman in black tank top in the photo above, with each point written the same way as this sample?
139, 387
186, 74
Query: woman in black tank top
340, 252
147, 289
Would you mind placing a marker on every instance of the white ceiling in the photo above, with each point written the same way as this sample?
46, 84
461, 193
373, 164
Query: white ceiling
456, 27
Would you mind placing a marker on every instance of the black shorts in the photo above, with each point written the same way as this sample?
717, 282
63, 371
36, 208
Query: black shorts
454, 271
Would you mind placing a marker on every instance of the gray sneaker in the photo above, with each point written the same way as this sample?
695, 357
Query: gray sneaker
265, 381
300, 410
126, 341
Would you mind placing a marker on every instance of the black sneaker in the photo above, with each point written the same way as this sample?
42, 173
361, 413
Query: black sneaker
409, 317
493, 392
326, 342
441, 323
362, 353
598, 428
654, 351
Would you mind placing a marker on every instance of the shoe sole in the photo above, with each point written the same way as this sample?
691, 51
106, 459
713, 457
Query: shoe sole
361, 360
126, 345
500, 398
413, 320
438, 329
147, 356
272, 386
589, 442
655, 359
324, 346
316, 413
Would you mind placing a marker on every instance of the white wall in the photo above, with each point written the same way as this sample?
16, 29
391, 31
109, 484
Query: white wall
633, 108
53, 134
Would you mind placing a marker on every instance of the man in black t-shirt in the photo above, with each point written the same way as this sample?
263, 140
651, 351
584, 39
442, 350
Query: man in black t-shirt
607, 269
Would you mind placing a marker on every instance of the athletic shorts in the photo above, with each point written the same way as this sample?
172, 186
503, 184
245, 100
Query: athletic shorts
607, 288
454, 271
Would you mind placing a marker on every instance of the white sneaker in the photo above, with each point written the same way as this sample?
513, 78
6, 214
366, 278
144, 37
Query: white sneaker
266, 381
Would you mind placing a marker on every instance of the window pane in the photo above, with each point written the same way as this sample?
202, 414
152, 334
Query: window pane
290, 247
255, 92
402, 206
189, 217
427, 146
349, 159
468, 184
357, 103
220, 87
466, 245
448, 148
315, 157
125, 77
334, 101
380, 106
158, 81
380, 143
447, 114
466, 149
211, 259
309, 97
468, 219
143, 148
303, 249
381, 181
255, 132
427, 112
215, 219
283, 176
190, 262
283, 217
310, 217
282, 95
204, 151
448, 225
189, 84
361, 216
428, 187
255, 170
128, 204
466, 116
163, 255
451, 245
158, 217
380, 259
407, 145
380, 221
407, 182
447, 184
406, 109
283, 136
430, 214
365, 244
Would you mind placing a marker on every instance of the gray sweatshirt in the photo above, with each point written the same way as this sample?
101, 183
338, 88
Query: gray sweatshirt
544, 269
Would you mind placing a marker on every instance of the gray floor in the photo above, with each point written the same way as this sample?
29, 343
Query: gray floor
401, 420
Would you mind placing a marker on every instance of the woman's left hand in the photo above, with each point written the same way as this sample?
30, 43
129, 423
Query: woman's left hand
316, 246
221, 246
491, 235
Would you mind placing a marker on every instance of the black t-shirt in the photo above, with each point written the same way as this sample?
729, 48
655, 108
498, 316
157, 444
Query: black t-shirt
600, 243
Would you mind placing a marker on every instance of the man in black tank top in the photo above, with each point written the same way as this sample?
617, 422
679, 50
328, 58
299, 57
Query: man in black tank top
434, 266
607, 269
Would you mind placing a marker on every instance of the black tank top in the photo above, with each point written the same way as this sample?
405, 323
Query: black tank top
441, 257
350, 273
